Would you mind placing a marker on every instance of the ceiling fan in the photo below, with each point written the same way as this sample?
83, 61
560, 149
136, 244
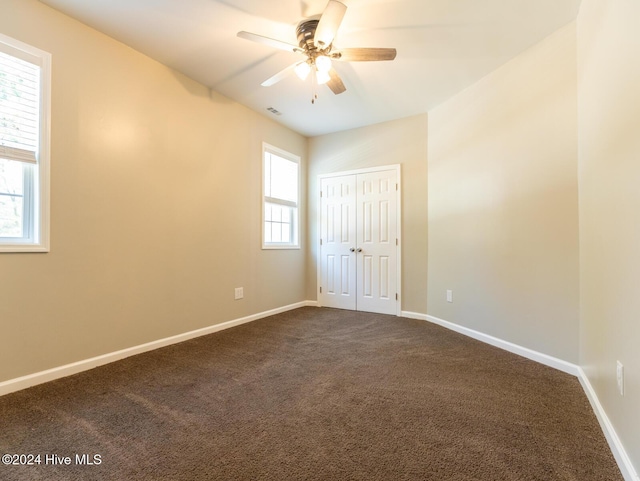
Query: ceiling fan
315, 39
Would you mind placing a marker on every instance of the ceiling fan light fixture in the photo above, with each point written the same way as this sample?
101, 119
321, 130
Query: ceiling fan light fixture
315, 39
323, 63
302, 70
322, 77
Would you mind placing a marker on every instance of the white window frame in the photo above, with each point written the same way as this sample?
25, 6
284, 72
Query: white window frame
36, 177
295, 229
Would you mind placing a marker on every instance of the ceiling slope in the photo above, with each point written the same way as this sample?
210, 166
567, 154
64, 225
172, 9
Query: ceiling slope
443, 47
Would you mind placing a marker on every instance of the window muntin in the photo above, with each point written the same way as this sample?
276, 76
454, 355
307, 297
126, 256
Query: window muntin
24, 147
281, 174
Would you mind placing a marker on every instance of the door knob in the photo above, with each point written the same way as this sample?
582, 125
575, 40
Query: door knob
359, 249
353, 249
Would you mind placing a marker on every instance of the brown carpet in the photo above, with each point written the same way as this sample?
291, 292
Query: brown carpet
312, 394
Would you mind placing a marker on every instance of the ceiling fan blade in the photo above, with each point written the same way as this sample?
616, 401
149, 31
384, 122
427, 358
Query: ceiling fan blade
271, 42
329, 23
280, 75
335, 83
364, 54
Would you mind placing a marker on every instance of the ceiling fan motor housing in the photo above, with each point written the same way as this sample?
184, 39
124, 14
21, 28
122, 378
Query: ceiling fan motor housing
306, 31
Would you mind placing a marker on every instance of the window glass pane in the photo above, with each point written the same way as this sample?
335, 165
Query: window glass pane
19, 103
286, 232
267, 212
10, 216
11, 201
11, 177
284, 179
276, 233
276, 213
267, 174
267, 232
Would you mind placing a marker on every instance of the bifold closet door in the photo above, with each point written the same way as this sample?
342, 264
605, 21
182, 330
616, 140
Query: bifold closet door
358, 248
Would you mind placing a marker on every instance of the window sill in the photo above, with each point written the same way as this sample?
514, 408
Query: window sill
279, 247
24, 248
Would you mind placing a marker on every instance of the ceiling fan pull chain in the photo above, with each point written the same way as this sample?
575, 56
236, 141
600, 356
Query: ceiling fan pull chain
314, 88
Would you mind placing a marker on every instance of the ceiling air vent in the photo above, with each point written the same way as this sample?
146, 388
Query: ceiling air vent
274, 111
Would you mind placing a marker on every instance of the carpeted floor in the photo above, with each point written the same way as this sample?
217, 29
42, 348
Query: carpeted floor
312, 394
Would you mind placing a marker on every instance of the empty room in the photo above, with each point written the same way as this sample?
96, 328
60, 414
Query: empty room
321, 240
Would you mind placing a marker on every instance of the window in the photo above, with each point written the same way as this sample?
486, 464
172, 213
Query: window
280, 198
24, 147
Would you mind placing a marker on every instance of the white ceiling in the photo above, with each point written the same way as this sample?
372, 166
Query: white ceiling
443, 46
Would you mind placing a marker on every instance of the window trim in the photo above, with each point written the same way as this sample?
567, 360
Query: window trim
268, 148
39, 238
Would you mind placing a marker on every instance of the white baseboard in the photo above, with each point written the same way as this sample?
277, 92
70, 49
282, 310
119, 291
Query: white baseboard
545, 359
624, 463
24, 382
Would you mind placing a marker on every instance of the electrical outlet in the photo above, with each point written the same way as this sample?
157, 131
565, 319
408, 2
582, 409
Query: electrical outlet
449, 295
620, 377
239, 293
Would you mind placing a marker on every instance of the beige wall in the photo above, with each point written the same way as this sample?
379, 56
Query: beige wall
155, 206
503, 218
609, 173
397, 142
